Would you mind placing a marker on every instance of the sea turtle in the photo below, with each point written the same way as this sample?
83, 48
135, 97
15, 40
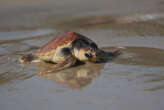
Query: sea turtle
66, 49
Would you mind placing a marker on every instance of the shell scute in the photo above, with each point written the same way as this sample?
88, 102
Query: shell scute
60, 41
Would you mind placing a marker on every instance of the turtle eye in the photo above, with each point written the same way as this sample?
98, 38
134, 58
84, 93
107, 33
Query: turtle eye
88, 55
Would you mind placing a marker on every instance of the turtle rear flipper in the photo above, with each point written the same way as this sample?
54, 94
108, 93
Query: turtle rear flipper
29, 58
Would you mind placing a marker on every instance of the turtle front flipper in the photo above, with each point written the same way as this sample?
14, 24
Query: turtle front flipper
114, 53
63, 59
65, 63
104, 56
29, 58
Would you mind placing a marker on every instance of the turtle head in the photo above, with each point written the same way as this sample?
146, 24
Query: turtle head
88, 53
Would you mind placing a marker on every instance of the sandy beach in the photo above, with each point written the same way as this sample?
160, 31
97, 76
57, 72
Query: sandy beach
133, 81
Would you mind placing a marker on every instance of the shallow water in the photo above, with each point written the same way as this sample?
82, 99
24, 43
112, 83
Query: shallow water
132, 81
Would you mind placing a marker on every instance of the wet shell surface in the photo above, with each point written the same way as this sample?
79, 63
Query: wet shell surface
62, 40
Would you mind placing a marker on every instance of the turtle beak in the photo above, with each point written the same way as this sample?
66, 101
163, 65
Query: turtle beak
94, 60
97, 60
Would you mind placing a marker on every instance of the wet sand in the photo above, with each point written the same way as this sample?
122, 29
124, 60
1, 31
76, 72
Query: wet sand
133, 81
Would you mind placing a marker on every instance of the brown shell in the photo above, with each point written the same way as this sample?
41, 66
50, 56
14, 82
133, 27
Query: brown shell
59, 41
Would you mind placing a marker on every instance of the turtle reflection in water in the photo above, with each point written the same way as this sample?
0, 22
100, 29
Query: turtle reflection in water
66, 49
75, 78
